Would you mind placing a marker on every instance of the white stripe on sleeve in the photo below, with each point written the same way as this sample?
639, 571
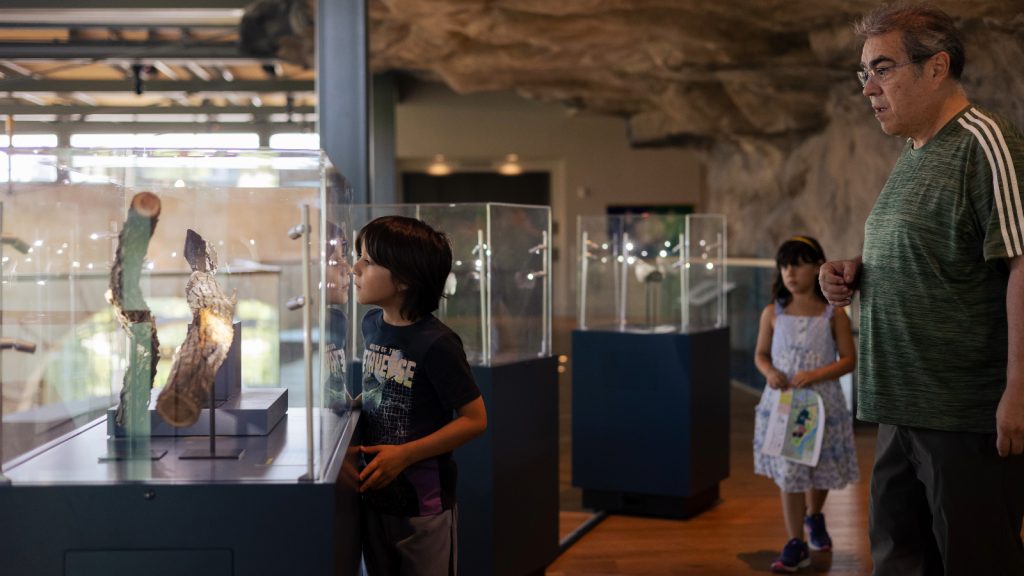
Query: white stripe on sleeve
1005, 193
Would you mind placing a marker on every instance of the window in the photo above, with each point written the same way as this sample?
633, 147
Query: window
295, 141
185, 140
30, 141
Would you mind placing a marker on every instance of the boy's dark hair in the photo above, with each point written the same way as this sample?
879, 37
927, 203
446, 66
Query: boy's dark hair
796, 250
416, 255
924, 29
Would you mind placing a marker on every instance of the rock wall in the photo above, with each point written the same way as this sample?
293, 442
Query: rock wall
825, 183
764, 89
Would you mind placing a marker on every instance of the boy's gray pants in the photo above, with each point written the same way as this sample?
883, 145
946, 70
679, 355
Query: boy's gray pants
410, 546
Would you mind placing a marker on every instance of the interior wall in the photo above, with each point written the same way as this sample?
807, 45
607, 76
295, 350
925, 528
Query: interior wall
591, 163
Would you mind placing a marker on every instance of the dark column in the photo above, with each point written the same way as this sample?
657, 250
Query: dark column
343, 91
385, 98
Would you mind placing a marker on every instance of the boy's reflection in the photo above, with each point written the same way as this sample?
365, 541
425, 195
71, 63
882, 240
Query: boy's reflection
337, 277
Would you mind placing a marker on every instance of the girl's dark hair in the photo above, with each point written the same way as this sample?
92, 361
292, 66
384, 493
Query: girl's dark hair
796, 250
416, 255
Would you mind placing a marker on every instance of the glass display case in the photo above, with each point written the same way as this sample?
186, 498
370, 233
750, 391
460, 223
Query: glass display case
66, 355
651, 363
498, 295
652, 273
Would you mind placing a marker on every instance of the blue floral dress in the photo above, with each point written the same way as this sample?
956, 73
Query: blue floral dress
805, 343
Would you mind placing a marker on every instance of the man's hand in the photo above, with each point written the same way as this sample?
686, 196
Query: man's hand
1010, 423
388, 463
838, 280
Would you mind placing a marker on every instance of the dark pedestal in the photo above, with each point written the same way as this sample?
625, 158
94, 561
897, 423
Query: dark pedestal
650, 420
508, 477
67, 515
170, 530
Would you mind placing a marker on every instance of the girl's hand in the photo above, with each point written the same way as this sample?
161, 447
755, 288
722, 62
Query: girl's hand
388, 463
777, 380
803, 379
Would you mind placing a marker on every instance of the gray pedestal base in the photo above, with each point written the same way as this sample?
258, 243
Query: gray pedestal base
253, 412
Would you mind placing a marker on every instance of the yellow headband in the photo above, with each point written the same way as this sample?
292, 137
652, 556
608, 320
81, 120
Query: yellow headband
805, 240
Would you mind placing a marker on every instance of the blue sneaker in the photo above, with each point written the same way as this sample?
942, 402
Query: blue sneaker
794, 557
817, 534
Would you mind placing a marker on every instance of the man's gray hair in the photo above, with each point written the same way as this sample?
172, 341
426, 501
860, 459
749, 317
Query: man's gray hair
925, 31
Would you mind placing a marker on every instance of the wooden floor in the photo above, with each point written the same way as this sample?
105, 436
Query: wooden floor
742, 534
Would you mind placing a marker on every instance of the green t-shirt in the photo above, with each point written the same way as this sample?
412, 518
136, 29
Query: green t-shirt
933, 287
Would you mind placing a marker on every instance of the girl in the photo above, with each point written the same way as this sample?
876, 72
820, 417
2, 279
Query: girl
798, 343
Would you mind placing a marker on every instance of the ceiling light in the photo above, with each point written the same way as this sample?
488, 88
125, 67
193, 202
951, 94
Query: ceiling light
511, 167
439, 167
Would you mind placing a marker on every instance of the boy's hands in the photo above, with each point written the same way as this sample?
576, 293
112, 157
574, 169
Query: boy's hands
388, 463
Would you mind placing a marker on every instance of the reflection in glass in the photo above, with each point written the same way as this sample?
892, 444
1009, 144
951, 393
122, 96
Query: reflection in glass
498, 296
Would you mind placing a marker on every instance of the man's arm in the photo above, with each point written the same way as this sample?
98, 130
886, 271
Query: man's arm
1010, 414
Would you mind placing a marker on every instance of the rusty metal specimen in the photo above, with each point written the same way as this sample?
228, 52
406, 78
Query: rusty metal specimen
206, 343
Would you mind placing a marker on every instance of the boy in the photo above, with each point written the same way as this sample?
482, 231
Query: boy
415, 374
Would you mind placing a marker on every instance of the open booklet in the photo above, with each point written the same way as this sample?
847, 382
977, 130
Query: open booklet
796, 427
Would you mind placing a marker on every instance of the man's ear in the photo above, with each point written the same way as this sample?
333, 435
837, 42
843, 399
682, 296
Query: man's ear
937, 66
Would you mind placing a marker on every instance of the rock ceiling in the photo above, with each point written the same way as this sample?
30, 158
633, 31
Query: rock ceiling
678, 71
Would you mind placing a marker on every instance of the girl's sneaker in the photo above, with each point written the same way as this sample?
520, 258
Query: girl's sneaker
817, 534
794, 557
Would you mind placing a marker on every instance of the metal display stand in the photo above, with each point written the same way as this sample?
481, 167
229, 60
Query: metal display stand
211, 453
301, 232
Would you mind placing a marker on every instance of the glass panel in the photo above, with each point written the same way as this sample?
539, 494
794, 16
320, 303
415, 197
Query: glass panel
600, 266
632, 275
520, 261
337, 385
498, 293
705, 273
628, 272
60, 239
752, 279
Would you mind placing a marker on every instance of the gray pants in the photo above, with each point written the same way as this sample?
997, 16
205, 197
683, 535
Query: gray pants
410, 546
945, 503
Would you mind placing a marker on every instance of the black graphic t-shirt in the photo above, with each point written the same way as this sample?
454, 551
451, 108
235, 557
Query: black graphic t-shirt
414, 378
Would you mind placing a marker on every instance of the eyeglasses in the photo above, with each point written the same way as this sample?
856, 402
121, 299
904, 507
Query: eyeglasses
881, 73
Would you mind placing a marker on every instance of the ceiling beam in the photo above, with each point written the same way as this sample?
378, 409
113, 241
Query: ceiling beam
62, 5
16, 109
48, 127
106, 50
134, 18
45, 85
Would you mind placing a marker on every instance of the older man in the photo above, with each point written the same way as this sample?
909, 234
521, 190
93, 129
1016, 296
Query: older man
942, 310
